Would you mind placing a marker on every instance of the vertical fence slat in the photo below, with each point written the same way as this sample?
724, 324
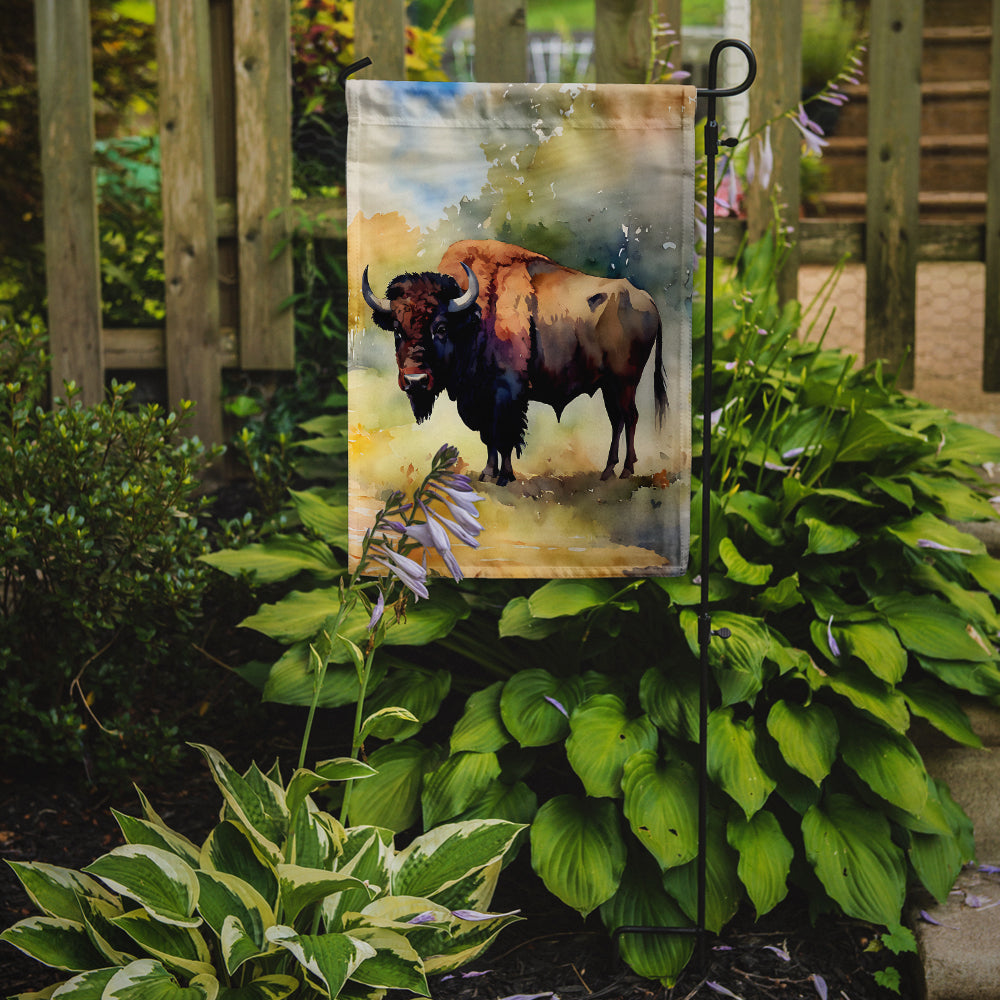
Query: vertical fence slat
991, 332
261, 57
380, 34
190, 253
72, 257
892, 215
776, 35
621, 40
501, 41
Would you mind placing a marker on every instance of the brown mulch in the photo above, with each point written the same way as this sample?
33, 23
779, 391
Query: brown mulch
550, 953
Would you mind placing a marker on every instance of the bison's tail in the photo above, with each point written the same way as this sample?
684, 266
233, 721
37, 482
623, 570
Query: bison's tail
659, 378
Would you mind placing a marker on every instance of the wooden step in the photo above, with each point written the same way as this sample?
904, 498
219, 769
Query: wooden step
947, 162
958, 206
940, 13
945, 106
956, 53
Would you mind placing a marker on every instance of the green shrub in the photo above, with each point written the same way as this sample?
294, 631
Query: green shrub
279, 900
99, 540
854, 605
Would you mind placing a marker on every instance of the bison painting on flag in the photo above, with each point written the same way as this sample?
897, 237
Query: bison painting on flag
521, 270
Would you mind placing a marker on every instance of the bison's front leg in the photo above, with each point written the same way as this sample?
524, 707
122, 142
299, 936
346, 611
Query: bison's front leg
490, 470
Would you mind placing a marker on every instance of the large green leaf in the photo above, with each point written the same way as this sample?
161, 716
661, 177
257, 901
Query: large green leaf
866, 692
559, 598
481, 728
516, 803
391, 798
738, 661
723, 889
291, 680
278, 558
957, 501
535, 706
438, 859
327, 520
578, 851
329, 959
888, 763
55, 941
661, 800
164, 885
807, 736
765, 858
876, 646
739, 569
926, 528
976, 678
932, 628
456, 784
273, 987
517, 620
870, 435
732, 760
827, 539
602, 737
670, 698
941, 709
56, 891
851, 850
641, 901
147, 979
415, 689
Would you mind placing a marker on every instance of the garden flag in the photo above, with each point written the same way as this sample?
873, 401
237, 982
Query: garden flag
520, 268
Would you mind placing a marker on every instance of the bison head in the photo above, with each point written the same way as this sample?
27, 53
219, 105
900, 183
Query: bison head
426, 314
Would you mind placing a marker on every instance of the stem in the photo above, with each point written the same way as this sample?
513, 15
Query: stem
359, 716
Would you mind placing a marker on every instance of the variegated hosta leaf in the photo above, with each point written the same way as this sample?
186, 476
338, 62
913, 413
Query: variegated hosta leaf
147, 979
158, 880
141, 831
851, 849
238, 944
642, 902
300, 887
765, 858
315, 838
367, 853
602, 737
274, 987
56, 891
661, 799
304, 782
225, 897
732, 760
230, 849
481, 727
723, 889
395, 964
256, 801
578, 851
441, 857
468, 939
86, 986
457, 784
329, 959
807, 736
116, 946
55, 941
475, 891
177, 947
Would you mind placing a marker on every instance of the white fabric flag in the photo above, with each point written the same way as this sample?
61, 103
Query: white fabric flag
521, 269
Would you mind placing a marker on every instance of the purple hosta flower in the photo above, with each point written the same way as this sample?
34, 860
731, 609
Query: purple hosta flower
377, 611
989, 869
558, 705
719, 988
812, 134
427, 917
412, 575
475, 915
463, 526
834, 648
780, 952
760, 165
927, 543
431, 535
820, 983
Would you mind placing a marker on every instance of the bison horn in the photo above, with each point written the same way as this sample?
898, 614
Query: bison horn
469, 296
377, 305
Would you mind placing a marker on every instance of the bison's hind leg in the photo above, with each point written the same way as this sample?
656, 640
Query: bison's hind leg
624, 415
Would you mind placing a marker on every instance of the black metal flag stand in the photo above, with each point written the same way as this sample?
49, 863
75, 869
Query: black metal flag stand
705, 631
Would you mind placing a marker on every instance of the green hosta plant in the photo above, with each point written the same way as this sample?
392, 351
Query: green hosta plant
280, 899
855, 605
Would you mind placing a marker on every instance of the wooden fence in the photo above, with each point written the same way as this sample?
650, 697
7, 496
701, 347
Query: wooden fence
226, 161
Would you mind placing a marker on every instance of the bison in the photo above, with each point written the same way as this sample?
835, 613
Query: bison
523, 328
